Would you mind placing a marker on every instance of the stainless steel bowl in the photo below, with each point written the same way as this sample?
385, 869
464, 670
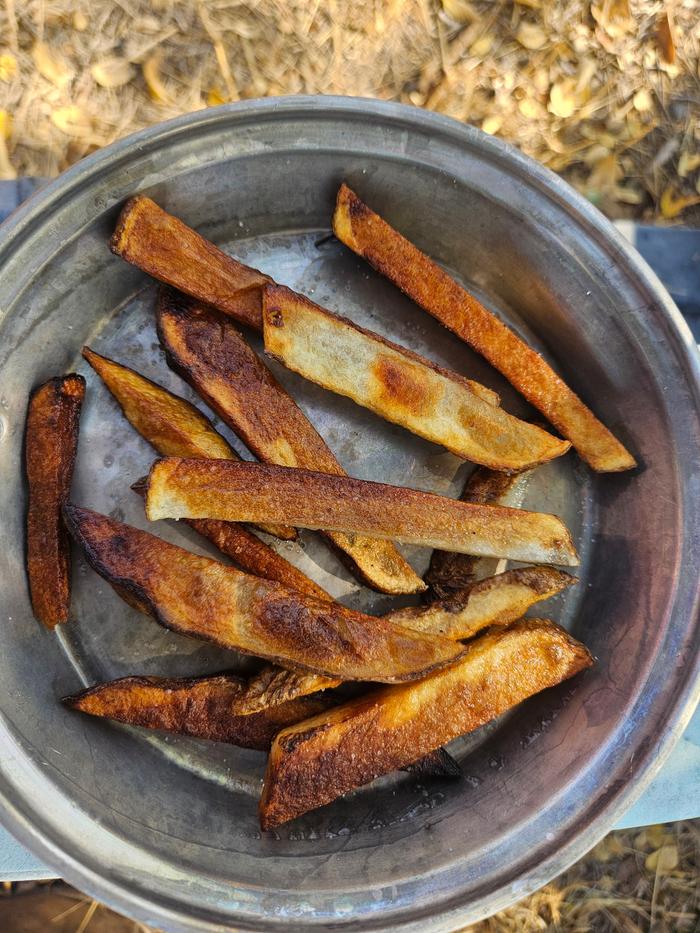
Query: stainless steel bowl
164, 828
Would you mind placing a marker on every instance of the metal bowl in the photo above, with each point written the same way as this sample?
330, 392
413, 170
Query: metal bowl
165, 828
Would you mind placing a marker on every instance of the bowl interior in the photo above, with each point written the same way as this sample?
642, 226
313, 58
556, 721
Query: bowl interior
174, 820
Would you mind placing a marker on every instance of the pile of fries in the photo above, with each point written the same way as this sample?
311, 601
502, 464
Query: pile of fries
447, 666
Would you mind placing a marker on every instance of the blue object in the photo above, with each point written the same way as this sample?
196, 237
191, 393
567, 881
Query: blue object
674, 254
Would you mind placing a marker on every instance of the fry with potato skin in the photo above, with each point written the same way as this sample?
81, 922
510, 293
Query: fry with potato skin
210, 353
316, 761
371, 237
50, 445
402, 387
169, 423
166, 248
259, 492
200, 707
203, 598
449, 572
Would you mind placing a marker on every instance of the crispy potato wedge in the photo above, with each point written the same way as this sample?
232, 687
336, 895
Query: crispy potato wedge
50, 446
166, 248
313, 762
169, 423
402, 387
496, 600
210, 353
449, 572
423, 280
200, 597
200, 707
260, 492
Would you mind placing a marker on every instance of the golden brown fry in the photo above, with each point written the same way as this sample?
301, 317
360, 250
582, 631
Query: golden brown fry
367, 234
200, 597
274, 685
400, 386
201, 707
260, 492
248, 552
210, 353
315, 761
51, 442
496, 600
166, 248
169, 423
449, 572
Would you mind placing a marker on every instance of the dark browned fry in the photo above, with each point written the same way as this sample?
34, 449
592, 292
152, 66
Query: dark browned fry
210, 353
437, 764
401, 386
313, 762
449, 572
166, 248
200, 707
51, 442
423, 280
261, 492
203, 598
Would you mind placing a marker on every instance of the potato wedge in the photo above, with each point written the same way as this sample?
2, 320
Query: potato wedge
200, 597
449, 572
274, 685
169, 423
50, 446
402, 387
166, 248
316, 761
260, 492
248, 552
423, 280
496, 600
210, 353
200, 707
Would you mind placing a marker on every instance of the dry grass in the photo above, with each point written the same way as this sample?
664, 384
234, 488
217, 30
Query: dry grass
606, 92
603, 91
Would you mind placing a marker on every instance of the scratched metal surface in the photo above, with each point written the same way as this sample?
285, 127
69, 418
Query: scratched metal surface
165, 828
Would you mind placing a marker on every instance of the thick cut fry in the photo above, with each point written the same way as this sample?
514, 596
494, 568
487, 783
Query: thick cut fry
213, 357
201, 707
260, 492
200, 597
50, 445
166, 248
314, 762
449, 572
497, 600
248, 552
402, 387
435, 291
169, 423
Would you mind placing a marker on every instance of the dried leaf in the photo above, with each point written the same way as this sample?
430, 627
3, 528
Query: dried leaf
672, 203
5, 124
154, 82
642, 100
688, 162
562, 98
112, 72
492, 125
52, 65
531, 35
215, 97
665, 38
72, 120
662, 860
460, 11
8, 66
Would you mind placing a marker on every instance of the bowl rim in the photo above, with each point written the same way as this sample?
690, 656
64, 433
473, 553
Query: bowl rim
24, 222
